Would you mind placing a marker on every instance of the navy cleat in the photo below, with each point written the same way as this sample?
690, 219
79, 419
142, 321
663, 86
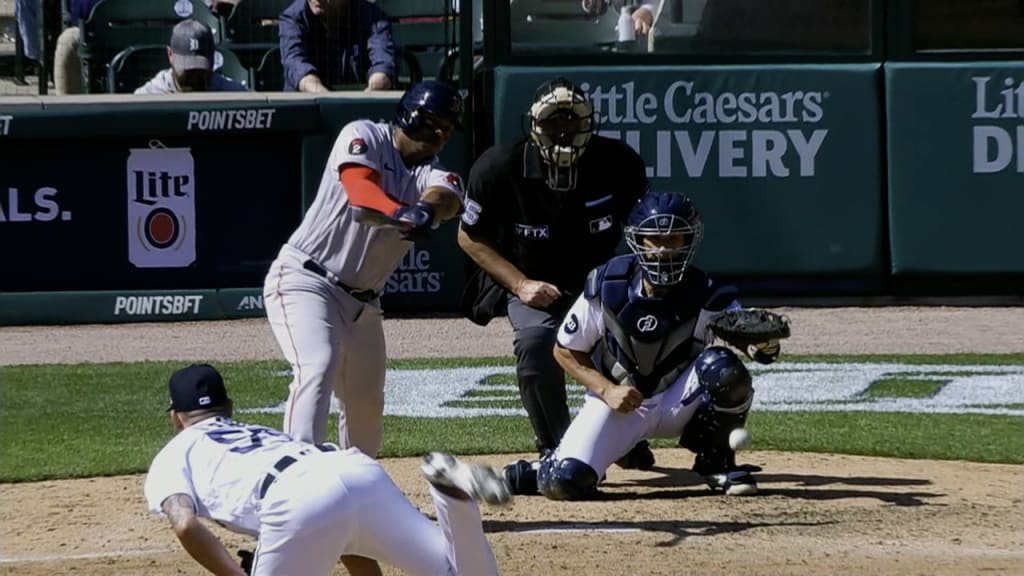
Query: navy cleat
639, 457
521, 476
721, 473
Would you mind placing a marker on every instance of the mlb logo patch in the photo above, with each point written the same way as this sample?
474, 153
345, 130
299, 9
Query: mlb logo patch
601, 224
357, 146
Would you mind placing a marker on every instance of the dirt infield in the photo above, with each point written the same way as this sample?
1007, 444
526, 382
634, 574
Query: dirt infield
818, 514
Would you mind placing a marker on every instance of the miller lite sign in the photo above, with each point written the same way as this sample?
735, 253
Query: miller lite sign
161, 207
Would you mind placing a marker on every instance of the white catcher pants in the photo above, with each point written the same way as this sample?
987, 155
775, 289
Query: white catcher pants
330, 504
599, 435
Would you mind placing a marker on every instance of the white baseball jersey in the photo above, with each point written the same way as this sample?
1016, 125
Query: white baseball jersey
360, 255
220, 464
322, 506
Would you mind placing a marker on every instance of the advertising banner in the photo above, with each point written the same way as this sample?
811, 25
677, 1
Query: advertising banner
956, 167
783, 162
132, 214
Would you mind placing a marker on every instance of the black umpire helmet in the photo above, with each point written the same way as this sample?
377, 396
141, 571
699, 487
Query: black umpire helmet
438, 98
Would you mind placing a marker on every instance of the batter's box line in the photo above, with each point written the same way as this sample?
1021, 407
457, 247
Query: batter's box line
85, 556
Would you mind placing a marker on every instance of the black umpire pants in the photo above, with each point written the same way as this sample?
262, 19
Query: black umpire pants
541, 379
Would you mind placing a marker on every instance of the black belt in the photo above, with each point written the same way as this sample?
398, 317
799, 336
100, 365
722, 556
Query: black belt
287, 461
361, 295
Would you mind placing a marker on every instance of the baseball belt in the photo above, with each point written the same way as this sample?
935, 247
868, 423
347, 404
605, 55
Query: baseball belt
281, 465
361, 295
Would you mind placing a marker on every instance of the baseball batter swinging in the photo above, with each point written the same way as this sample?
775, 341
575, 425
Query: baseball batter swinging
381, 189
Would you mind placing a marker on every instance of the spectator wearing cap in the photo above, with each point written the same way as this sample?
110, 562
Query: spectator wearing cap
325, 43
191, 54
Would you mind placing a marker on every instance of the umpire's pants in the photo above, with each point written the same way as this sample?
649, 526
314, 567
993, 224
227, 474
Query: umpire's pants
541, 379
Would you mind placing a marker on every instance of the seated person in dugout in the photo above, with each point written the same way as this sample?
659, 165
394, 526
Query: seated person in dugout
637, 340
326, 43
191, 55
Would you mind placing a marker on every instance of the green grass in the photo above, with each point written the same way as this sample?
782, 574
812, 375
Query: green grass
904, 388
59, 421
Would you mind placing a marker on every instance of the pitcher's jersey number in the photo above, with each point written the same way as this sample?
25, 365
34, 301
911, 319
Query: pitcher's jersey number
242, 439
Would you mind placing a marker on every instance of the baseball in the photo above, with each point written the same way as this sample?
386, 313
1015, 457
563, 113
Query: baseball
739, 439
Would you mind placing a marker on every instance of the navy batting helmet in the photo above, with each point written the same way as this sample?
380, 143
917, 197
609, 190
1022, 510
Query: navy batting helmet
431, 96
664, 231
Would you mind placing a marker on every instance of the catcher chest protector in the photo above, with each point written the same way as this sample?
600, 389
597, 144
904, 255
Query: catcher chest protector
649, 341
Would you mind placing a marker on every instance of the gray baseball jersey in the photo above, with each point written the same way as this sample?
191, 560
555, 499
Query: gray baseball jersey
360, 255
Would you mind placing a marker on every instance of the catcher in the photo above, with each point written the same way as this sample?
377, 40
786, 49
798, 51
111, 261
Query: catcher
641, 339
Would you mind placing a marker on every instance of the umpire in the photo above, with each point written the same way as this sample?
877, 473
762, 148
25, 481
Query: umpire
539, 215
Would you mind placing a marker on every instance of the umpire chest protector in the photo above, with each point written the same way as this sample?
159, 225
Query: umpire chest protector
649, 342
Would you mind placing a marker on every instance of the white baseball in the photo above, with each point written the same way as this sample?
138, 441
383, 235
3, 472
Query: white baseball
739, 439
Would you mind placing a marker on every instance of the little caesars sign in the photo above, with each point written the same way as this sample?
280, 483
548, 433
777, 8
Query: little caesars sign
723, 134
998, 117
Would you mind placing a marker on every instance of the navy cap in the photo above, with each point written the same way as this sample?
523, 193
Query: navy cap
192, 46
197, 387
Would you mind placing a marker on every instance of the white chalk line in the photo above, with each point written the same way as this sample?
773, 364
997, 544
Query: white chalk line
85, 556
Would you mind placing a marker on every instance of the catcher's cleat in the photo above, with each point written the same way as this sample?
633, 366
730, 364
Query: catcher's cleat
465, 481
734, 483
720, 472
639, 457
521, 476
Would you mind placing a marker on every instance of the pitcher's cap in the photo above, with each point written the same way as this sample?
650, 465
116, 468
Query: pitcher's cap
197, 387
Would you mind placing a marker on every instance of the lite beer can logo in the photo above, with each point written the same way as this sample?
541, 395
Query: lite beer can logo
161, 208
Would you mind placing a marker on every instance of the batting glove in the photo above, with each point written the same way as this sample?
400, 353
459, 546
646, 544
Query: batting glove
420, 218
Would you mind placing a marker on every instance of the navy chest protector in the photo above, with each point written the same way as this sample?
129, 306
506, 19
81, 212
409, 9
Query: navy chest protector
649, 342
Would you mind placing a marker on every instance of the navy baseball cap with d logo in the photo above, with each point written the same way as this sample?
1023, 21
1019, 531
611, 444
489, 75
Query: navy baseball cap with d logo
197, 387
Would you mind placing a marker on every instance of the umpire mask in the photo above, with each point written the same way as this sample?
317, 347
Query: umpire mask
561, 124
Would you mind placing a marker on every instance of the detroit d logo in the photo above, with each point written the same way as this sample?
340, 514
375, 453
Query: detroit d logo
647, 323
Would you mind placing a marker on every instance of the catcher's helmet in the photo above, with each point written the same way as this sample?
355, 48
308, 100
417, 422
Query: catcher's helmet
561, 124
431, 96
664, 231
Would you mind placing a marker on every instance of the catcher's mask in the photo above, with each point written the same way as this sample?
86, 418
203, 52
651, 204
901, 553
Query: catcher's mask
664, 231
561, 124
424, 100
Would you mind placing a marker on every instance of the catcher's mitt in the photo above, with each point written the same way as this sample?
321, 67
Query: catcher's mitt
748, 327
